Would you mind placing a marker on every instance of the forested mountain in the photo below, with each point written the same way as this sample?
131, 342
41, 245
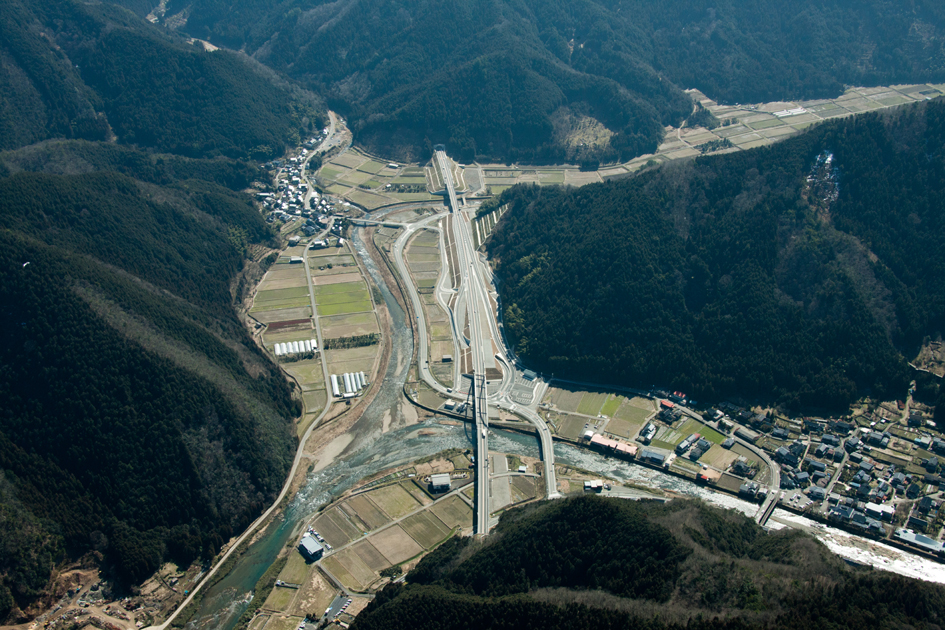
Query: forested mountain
591, 562
70, 69
799, 273
511, 79
139, 419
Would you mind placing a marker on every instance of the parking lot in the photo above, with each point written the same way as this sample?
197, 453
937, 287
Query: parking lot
523, 390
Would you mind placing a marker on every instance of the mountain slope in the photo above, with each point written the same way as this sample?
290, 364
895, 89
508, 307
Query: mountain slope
696, 567
776, 272
512, 79
140, 420
76, 70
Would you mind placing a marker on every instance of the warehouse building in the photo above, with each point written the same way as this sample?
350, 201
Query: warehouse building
310, 548
922, 542
652, 457
440, 483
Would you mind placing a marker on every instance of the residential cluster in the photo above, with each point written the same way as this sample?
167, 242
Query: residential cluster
876, 472
293, 196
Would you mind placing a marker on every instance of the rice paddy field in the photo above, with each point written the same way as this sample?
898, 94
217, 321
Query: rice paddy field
426, 529
563, 399
352, 360
571, 427
394, 500
282, 301
454, 512
348, 325
635, 411
623, 428
591, 403
523, 488
279, 622
372, 183
497, 178
383, 527
344, 307
425, 264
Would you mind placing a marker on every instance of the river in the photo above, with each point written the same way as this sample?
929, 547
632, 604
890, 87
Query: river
373, 450
370, 451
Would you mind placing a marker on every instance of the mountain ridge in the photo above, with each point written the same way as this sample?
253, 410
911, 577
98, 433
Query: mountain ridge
141, 422
774, 273
720, 570
445, 72
97, 72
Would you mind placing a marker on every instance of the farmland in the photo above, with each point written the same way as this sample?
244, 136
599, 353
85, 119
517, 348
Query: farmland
394, 501
453, 512
342, 298
613, 403
371, 183
426, 529
348, 325
279, 622
571, 427
591, 403
315, 595
396, 545
623, 428
282, 301
279, 598
424, 263
295, 571
564, 399
351, 360
378, 527
367, 511
358, 565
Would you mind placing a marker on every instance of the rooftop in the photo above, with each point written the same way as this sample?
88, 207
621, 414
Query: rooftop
440, 479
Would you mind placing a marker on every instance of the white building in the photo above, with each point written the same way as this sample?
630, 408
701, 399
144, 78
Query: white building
440, 483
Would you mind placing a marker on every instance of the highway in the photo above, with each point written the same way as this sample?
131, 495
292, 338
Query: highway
472, 302
547, 445
476, 306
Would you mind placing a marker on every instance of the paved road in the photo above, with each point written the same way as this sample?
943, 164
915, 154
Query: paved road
292, 472
476, 306
400, 262
547, 445
473, 300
